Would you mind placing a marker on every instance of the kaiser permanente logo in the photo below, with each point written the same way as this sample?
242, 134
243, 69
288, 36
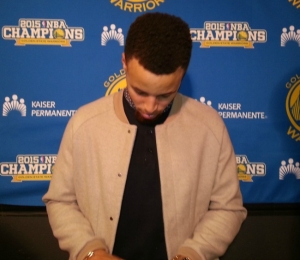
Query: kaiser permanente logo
289, 168
234, 110
247, 170
112, 34
38, 108
14, 104
137, 5
292, 106
29, 167
42, 32
227, 34
290, 35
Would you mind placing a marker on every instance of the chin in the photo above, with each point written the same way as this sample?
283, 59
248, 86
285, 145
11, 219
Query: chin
146, 121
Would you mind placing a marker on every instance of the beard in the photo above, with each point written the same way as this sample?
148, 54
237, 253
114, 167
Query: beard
153, 121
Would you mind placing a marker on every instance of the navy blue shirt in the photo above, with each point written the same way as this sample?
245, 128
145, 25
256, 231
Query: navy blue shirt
140, 232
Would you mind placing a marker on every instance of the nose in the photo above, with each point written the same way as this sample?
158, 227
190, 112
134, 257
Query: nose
150, 105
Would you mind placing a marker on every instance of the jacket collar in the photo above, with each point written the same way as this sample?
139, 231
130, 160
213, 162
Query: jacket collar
119, 109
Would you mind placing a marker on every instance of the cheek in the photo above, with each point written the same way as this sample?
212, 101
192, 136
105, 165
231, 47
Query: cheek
166, 102
137, 100
162, 104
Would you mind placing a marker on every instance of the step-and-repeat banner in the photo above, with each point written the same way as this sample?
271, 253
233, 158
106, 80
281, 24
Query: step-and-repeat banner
56, 56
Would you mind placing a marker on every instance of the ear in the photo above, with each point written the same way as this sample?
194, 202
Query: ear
124, 62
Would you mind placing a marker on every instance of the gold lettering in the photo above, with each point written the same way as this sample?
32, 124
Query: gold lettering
295, 2
128, 6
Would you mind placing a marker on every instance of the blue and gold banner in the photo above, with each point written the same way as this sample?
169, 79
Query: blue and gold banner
56, 57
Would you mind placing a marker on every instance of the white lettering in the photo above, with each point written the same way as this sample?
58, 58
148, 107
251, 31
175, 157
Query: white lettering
43, 104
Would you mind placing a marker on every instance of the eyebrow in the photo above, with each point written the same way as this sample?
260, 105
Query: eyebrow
163, 94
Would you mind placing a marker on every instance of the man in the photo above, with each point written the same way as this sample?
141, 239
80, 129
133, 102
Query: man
147, 173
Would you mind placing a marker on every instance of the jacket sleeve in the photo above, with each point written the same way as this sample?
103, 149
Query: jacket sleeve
68, 223
221, 223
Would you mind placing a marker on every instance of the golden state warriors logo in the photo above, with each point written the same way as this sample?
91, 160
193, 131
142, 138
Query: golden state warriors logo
292, 105
137, 5
42, 32
115, 82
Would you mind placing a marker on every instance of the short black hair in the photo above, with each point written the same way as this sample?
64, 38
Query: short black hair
160, 42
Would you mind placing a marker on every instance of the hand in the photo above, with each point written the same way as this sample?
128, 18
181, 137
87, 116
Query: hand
102, 255
181, 257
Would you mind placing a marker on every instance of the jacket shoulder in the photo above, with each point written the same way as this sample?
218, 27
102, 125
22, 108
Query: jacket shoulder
92, 110
202, 118
202, 112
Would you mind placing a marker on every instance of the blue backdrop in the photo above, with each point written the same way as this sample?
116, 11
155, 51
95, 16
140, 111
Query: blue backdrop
57, 56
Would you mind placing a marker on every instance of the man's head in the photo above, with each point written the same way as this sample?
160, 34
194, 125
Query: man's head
160, 42
157, 53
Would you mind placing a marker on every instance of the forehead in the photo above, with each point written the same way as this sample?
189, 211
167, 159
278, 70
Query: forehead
142, 79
